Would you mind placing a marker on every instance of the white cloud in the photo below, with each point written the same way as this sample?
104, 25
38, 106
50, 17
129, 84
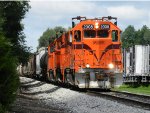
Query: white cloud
148, 23
127, 12
58, 10
44, 14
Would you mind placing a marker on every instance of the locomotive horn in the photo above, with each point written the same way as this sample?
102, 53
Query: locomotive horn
109, 18
115, 23
77, 18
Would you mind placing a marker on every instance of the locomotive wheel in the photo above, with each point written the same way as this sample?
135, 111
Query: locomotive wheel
69, 77
50, 76
59, 77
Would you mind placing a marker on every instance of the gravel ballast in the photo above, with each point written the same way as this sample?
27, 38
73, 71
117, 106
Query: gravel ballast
72, 101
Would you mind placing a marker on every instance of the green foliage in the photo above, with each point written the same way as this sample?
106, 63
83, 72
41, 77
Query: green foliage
9, 80
132, 37
2, 109
147, 35
12, 13
49, 35
12, 49
69, 28
140, 36
128, 37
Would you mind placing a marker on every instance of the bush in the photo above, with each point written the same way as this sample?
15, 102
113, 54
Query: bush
1, 110
9, 80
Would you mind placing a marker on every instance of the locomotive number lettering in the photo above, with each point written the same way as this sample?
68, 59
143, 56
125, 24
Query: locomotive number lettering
105, 26
88, 26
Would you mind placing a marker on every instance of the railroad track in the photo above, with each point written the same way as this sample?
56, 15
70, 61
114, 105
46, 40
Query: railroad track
130, 99
140, 101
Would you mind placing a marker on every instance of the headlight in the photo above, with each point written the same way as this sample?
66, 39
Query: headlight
96, 25
110, 66
87, 66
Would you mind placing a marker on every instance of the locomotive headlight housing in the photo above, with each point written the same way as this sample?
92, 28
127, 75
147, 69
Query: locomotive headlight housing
111, 66
87, 65
96, 25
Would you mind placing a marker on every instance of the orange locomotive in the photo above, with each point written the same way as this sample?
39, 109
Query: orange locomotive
87, 56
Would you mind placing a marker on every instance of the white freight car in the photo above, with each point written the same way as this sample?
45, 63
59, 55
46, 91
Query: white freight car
137, 63
19, 70
39, 54
25, 69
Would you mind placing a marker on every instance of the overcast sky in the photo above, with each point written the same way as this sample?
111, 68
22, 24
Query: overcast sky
48, 14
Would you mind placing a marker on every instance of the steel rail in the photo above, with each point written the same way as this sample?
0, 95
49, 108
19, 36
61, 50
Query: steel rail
125, 98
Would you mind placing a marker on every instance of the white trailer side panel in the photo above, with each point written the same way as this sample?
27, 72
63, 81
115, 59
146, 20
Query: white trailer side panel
138, 59
146, 60
127, 62
39, 54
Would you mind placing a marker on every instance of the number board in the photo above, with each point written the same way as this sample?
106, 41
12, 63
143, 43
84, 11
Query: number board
105, 26
88, 26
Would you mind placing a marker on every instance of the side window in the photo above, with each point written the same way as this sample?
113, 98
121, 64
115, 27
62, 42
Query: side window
114, 35
52, 49
66, 38
77, 35
58, 45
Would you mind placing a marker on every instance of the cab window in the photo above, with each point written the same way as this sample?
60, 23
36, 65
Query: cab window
77, 35
58, 45
52, 49
114, 35
102, 33
89, 33
66, 38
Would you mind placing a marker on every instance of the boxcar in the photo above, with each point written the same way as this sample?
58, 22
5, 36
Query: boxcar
137, 64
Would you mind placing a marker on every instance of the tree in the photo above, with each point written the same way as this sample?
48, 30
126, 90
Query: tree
49, 35
140, 35
131, 37
11, 46
13, 12
147, 36
128, 37
59, 30
9, 80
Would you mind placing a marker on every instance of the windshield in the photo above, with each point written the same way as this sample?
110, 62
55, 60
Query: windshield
98, 33
102, 33
89, 33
